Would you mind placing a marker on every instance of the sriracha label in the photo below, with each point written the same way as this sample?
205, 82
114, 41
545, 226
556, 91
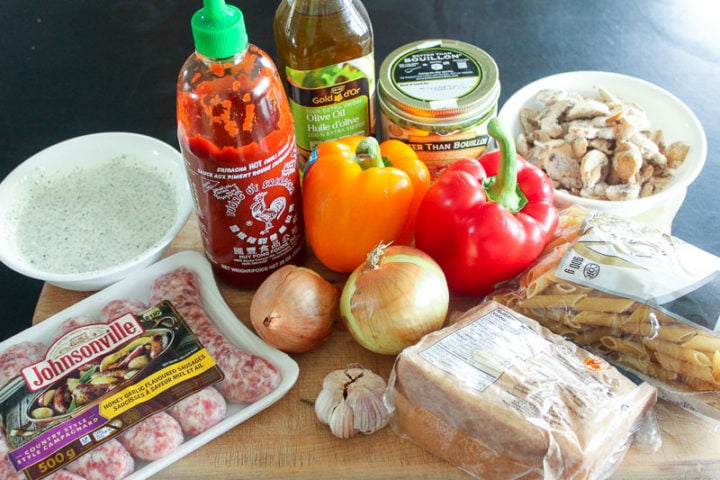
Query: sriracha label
248, 211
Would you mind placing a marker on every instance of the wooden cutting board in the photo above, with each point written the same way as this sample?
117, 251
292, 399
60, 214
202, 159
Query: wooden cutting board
286, 441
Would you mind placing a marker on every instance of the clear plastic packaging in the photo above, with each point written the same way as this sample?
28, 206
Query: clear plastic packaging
138, 286
639, 297
502, 397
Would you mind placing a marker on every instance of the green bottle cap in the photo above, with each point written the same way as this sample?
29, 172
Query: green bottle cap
219, 29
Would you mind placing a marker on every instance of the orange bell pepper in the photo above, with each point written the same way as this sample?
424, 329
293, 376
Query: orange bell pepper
354, 199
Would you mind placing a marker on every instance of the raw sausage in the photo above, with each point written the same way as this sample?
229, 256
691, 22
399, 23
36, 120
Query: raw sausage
111, 311
119, 307
72, 323
19, 356
199, 411
7, 470
153, 438
109, 461
248, 377
64, 475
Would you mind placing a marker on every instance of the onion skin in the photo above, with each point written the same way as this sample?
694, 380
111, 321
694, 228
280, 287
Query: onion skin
394, 299
294, 309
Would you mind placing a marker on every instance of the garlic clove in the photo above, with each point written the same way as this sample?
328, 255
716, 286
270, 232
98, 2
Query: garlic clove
326, 401
342, 421
369, 411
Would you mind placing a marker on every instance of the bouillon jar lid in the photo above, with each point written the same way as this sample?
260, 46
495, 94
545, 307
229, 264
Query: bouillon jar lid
433, 81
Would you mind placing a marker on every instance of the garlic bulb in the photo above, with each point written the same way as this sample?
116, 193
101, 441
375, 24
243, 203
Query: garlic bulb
351, 402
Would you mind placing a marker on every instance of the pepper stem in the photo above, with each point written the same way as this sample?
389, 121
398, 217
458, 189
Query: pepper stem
503, 188
368, 153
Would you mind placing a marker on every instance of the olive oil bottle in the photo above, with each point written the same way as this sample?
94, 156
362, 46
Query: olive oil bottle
326, 57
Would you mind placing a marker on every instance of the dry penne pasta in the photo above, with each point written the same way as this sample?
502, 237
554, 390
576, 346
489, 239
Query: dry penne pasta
556, 316
636, 326
647, 367
510, 299
643, 314
568, 229
676, 333
599, 319
566, 288
624, 346
694, 357
630, 330
686, 369
545, 265
697, 384
551, 301
703, 342
604, 304
540, 284
588, 336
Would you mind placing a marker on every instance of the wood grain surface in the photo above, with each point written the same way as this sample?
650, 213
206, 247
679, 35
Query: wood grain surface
286, 441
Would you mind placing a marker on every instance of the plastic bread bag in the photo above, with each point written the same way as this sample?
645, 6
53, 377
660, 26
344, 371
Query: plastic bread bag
642, 299
501, 397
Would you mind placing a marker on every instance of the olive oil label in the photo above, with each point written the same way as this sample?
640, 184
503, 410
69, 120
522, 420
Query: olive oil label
332, 102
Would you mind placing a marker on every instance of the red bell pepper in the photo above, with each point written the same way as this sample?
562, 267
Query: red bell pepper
486, 220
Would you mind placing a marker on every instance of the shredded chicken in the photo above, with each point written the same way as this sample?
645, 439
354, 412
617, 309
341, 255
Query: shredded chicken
600, 148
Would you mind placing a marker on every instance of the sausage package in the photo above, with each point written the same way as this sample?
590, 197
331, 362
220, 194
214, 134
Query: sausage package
502, 397
639, 297
133, 378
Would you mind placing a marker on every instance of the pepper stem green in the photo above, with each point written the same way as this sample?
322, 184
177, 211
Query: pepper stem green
503, 188
368, 153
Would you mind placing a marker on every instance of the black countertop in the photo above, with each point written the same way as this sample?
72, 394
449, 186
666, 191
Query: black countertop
84, 66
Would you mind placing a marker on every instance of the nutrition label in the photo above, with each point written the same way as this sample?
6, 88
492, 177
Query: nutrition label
543, 379
480, 352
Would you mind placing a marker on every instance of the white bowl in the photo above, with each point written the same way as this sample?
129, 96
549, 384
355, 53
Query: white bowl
665, 111
159, 161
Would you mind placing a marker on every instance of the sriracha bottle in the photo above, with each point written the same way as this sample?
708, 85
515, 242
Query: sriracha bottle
236, 135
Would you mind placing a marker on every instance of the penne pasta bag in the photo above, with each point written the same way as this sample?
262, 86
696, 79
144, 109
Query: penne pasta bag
642, 298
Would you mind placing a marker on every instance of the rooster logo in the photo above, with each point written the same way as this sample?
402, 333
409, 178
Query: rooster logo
260, 211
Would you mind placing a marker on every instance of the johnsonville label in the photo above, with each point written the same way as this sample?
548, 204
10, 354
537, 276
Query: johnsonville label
99, 380
332, 102
93, 343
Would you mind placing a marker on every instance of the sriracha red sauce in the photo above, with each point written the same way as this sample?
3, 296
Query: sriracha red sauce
236, 134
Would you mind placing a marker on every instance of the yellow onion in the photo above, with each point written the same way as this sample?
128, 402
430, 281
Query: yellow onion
294, 309
398, 295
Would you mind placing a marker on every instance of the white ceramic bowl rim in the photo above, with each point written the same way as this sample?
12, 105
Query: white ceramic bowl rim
572, 81
126, 143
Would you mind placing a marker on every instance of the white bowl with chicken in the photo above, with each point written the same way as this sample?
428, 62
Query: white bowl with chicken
609, 142
87, 212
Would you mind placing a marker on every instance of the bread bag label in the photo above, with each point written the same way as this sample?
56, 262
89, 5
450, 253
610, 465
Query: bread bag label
480, 352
